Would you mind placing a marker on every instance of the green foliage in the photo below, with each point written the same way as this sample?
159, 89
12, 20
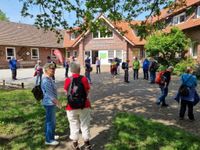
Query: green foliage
3, 16
167, 46
134, 132
183, 64
22, 118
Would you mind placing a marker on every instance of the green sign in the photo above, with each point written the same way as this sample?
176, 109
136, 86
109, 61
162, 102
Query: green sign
103, 55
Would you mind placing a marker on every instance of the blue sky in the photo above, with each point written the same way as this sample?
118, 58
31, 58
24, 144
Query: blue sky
12, 10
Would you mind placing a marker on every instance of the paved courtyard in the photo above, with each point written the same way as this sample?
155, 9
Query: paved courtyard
111, 95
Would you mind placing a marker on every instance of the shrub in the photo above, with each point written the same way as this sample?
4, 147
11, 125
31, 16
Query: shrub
181, 66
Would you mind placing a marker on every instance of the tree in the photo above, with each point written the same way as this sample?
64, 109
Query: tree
3, 16
166, 47
52, 12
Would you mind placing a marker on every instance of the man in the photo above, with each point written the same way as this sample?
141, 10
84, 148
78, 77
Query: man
166, 77
13, 66
126, 66
145, 67
136, 67
98, 63
152, 69
88, 69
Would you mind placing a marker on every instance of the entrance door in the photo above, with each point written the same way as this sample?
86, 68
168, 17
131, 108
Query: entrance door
94, 56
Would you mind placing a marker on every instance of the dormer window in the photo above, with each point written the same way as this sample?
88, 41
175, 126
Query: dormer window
179, 18
198, 12
100, 35
73, 36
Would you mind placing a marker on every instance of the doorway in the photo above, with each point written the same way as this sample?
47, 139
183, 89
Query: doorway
94, 55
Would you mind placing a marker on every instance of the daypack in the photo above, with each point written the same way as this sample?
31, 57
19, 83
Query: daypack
123, 65
37, 92
76, 95
159, 77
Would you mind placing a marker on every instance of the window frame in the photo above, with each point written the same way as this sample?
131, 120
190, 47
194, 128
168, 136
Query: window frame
75, 52
194, 47
99, 35
178, 17
14, 52
198, 12
72, 36
38, 55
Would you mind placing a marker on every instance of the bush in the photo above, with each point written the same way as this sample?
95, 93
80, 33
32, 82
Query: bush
182, 65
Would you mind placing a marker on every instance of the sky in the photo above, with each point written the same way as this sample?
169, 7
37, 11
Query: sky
12, 10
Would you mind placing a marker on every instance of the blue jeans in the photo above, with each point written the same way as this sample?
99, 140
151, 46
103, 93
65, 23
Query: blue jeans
152, 76
87, 74
50, 123
164, 93
38, 79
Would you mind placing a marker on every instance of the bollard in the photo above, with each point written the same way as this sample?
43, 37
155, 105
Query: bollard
4, 83
22, 85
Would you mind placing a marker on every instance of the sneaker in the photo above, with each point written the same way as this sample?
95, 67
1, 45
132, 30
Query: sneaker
53, 143
75, 146
56, 137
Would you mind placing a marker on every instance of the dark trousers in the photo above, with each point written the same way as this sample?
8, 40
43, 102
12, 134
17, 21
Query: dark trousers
185, 104
135, 74
146, 74
164, 93
98, 69
66, 72
152, 76
126, 75
14, 74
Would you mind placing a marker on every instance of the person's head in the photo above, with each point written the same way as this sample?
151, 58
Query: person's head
75, 67
127, 61
189, 70
12, 58
48, 57
49, 69
39, 61
170, 68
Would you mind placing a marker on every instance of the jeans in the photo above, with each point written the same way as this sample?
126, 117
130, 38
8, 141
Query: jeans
126, 75
50, 123
38, 79
164, 93
185, 104
135, 74
14, 73
152, 76
98, 69
87, 74
146, 74
66, 72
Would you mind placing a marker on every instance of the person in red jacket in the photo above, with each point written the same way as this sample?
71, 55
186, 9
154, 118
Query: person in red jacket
79, 118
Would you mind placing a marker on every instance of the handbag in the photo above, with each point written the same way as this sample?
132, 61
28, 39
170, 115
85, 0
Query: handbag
196, 98
184, 90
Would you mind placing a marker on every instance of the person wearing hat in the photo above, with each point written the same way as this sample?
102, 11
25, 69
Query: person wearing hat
38, 72
166, 77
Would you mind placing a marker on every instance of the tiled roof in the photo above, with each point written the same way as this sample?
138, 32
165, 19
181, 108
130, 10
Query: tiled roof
17, 34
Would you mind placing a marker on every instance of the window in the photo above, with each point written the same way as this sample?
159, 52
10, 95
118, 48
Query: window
73, 36
75, 54
100, 35
198, 12
194, 48
10, 52
179, 18
111, 55
68, 54
34, 53
53, 56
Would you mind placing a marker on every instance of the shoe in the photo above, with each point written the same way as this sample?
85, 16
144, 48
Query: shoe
75, 146
164, 105
192, 120
87, 145
53, 143
56, 137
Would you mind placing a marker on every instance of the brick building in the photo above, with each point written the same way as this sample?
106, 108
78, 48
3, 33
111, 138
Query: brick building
26, 42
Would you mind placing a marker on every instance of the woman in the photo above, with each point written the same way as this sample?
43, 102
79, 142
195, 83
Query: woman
38, 73
187, 101
49, 102
78, 118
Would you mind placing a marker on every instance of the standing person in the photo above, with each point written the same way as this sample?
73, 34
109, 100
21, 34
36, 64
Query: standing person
125, 66
98, 64
78, 117
145, 67
66, 66
190, 81
38, 72
49, 60
49, 102
153, 66
136, 67
117, 60
113, 68
166, 77
88, 69
13, 66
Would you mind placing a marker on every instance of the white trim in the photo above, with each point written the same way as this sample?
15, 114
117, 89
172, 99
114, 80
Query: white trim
99, 36
198, 12
7, 53
176, 19
38, 57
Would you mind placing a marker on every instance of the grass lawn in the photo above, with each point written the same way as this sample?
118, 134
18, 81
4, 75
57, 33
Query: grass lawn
136, 133
22, 121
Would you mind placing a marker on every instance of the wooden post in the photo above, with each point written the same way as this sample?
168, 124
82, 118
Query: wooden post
22, 85
4, 83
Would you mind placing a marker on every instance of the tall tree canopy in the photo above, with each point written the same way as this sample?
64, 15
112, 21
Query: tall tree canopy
53, 12
3, 16
167, 46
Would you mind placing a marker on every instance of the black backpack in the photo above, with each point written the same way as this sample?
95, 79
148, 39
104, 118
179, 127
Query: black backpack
76, 95
37, 92
123, 65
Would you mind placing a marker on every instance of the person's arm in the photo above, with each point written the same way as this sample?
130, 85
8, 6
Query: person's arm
66, 84
20, 60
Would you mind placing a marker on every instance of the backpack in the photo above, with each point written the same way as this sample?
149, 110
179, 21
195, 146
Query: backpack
37, 92
123, 65
154, 66
160, 78
76, 95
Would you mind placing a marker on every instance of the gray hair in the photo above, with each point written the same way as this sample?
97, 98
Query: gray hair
75, 67
49, 66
